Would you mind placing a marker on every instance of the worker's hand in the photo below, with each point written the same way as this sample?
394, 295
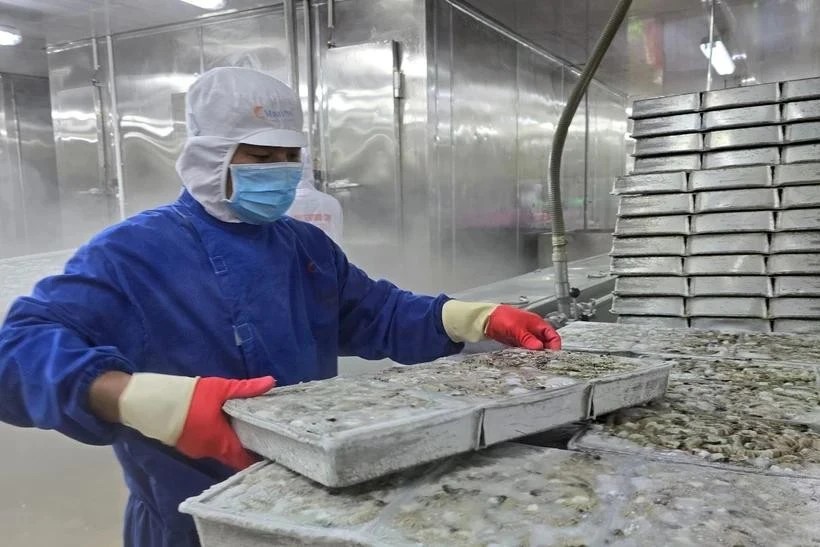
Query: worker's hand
187, 413
520, 328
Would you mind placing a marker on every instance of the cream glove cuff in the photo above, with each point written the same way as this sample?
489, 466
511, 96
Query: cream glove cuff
466, 321
157, 405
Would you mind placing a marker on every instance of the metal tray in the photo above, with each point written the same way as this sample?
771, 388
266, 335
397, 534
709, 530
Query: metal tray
654, 205
671, 144
798, 220
801, 326
643, 226
803, 132
651, 184
648, 246
736, 285
796, 174
800, 197
752, 221
796, 285
801, 153
654, 321
751, 156
801, 111
663, 164
794, 307
651, 286
721, 244
742, 117
796, 242
725, 265
794, 264
726, 306
732, 177
801, 89
666, 125
741, 96
655, 265
751, 199
745, 137
731, 324
664, 106
670, 306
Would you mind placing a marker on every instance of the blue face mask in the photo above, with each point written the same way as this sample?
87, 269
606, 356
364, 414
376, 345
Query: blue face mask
263, 192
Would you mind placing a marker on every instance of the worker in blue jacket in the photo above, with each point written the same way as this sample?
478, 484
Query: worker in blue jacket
159, 320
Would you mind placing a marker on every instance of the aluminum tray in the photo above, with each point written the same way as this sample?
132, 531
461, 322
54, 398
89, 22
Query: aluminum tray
796, 242
794, 264
660, 106
722, 244
751, 199
735, 285
798, 197
644, 226
801, 89
651, 184
802, 132
648, 246
798, 220
803, 326
654, 205
741, 96
655, 265
726, 306
801, 111
732, 177
654, 320
668, 306
732, 158
720, 223
801, 153
795, 308
651, 286
666, 125
797, 285
671, 144
742, 117
796, 174
664, 164
746, 137
731, 324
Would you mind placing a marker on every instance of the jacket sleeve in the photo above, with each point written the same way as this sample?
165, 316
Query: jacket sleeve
378, 320
56, 342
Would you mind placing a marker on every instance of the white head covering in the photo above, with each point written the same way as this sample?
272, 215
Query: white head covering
225, 107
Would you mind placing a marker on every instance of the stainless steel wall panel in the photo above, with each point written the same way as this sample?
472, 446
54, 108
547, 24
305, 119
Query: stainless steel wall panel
655, 205
706, 306
742, 117
254, 42
671, 144
744, 137
801, 111
794, 264
641, 226
720, 244
666, 306
792, 307
797, 285
575, 166
730, 158
800, 196
662, 164
802, 132
651, 286
730, 324
715, 223
725, 265
648, 246
800, 326
736, 285
651, 184
752, 199
664, 106
796, 174
655, 321
801, 153
732, 177
807, 88
641, 266
666, 125
798, 220
741, 96
795, 242
606, 155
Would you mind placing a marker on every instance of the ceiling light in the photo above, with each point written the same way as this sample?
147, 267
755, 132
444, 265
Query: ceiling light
9, 36
206, 4
721, 60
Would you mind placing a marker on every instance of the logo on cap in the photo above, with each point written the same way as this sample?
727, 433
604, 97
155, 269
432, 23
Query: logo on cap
270, 114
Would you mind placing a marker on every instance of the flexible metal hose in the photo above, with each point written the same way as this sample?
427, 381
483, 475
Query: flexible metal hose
553, 197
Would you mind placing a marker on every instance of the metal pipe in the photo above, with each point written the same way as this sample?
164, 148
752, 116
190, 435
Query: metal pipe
21, 187
331, 21
102, 140
553, 189
711, 44
115, 127
310, 85
293, 45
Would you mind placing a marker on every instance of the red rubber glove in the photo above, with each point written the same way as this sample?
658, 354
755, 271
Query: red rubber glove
207, 433
520, 328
